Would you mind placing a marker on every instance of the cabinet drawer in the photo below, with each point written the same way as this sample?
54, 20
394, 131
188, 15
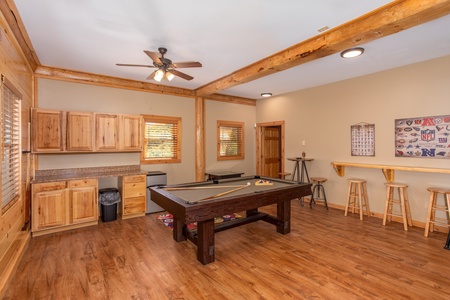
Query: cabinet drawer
134, 205
137, 189
49, 186
134, 178
81, 183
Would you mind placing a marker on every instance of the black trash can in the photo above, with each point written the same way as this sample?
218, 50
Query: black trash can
109, 198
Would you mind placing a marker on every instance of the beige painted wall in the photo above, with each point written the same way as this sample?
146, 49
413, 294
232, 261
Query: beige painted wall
215, 110
322, 117
53, 94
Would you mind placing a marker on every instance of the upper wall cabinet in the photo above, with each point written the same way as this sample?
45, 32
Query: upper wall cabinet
106, 132
48, 130
130, 132
80, 128
69, 131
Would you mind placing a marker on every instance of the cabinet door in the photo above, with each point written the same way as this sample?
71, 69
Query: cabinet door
106, 131
134, 205
50, 209
79, 131
47, 130
130, 132
84, 205
134, 186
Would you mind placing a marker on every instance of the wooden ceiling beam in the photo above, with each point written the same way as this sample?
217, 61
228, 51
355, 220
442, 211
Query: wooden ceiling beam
232, 99
95, 79
386, 20
14, 21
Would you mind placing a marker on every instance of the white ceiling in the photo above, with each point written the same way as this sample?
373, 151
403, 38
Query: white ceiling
93, 35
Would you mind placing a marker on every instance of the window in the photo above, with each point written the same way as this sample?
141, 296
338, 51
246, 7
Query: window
10, 144
162, 140
230, 144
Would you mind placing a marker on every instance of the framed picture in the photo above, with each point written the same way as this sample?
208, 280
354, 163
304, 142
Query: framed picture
363, 139
423, 137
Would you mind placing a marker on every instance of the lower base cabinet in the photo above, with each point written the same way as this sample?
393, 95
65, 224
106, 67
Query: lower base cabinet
133, 191
63, 205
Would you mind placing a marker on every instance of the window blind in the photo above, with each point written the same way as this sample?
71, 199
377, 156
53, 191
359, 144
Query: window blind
161, 139
230, 141
10, 120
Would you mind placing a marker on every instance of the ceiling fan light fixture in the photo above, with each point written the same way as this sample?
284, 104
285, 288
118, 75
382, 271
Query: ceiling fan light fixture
169, 76
352, 52
159, 75
266, 95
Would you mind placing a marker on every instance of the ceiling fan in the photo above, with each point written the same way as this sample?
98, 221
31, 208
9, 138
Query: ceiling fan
166, 68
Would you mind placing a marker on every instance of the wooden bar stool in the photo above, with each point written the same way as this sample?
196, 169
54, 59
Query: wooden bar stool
318, 191
433, 207
401, 201
284, 174
357, 197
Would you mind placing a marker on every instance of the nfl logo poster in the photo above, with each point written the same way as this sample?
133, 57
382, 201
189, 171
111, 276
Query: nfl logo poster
426, 137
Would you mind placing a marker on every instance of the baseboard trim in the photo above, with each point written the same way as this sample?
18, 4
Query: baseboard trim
13, 257
419, 224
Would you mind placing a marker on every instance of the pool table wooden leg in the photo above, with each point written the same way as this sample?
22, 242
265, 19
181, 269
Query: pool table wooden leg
205, 241
284, 217
178, 230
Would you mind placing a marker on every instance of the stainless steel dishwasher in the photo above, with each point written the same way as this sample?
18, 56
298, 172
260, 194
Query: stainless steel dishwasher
154, 178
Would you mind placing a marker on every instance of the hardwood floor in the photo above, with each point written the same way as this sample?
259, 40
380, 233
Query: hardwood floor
326, 256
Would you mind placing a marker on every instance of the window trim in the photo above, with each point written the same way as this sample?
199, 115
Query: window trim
18, 177
233, 124
161, 119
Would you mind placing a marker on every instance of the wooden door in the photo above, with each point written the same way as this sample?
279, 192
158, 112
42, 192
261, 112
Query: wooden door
271, 151
79, 131
48, 128
106, 131
84, 205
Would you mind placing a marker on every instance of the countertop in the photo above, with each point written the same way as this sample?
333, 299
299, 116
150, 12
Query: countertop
42, 176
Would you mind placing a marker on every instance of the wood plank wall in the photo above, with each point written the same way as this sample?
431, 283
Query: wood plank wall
13, 239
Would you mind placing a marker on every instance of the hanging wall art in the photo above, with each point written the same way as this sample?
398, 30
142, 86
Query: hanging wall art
423, 137
363, 139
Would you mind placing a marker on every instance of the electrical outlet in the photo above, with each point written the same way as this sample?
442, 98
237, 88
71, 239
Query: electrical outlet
303, 143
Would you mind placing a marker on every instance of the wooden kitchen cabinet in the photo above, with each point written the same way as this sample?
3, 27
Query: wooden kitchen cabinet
106, 132
56, 131
47, 130
80, 131
130, 132
49, 206
83, 200
133, 190
63, 205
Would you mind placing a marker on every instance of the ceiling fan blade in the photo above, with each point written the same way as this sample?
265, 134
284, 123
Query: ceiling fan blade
131, 65
180, 74
153, 56
187, 64
151, 76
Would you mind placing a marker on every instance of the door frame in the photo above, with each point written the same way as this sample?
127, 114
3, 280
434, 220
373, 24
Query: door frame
259, 141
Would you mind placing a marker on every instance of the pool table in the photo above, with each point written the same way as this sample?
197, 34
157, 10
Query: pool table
201, 202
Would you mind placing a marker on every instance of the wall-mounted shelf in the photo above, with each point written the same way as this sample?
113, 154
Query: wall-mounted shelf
387, 170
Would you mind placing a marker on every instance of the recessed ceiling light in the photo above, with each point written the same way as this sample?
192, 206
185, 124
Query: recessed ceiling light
266, 94
352, 52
